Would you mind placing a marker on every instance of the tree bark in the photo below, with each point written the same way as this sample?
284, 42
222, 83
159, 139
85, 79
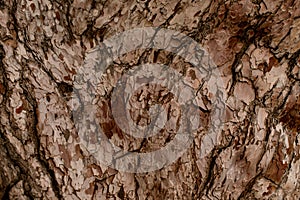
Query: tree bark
255, 46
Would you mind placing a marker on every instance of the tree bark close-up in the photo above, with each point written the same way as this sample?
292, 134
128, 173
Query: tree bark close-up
218, 80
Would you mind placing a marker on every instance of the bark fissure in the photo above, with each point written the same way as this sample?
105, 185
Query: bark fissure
254, 45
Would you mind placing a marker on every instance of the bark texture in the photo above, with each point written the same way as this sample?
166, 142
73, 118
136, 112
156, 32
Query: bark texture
256, 47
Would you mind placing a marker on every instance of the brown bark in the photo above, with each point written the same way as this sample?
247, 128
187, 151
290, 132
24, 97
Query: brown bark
255, 46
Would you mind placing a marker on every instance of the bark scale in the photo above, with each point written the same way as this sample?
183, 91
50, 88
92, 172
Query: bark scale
255, 45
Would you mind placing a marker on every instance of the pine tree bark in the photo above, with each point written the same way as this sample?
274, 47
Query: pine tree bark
255, 46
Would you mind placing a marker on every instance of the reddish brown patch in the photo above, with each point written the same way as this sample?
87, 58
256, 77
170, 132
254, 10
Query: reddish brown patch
276, 168
104, 109
291, 117
91, 43
2, 89
90, 190
67, 78
88, 172
232, 42
57, 15
65, 155
204, 119
250, 33
192, 74
107, 128
273, 62
19, 110
267, 68
270, 189
61, 56
119, 132
98, 169
78, 151
32, 6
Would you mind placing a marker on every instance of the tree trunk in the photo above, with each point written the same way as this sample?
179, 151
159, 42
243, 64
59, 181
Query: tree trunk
255, 48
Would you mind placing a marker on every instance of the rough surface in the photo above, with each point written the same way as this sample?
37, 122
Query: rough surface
256, 47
